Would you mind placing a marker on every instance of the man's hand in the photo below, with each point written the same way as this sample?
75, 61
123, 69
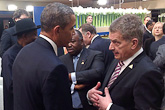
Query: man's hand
93, 93
103, 102
70, 79
79, 86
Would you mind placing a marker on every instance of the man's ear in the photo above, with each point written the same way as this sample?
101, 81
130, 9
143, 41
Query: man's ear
88, 34
135, 42
56, 30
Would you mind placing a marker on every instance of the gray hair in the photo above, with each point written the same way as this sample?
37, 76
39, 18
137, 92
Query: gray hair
19, 12
129, 26
55, 14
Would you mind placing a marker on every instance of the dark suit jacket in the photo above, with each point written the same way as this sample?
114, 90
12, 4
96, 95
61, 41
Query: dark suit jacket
139, 88
102, 45
40, 80
7, 39
7, 63
146, 35
89, 71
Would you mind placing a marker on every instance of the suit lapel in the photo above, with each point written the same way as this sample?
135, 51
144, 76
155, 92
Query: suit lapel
69, 63
82, 60
128, 69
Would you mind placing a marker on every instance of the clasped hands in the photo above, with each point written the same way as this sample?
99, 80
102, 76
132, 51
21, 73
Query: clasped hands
99, 101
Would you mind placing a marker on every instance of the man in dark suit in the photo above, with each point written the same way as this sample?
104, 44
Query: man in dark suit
26, 35
148, 33
40, 80
7, 38
132, 82
146, 19
83, 73
96, 42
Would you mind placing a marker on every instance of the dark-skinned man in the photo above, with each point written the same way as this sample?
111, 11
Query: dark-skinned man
85, 68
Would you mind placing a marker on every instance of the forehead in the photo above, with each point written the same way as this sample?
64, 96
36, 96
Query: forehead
147, 19
158, 25
89, 17
115, 36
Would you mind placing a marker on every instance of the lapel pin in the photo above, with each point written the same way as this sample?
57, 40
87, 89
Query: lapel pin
82, 62
131, 66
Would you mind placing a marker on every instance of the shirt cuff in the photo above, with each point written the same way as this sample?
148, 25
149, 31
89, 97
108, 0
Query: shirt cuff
73, 77
109, 106
89, 102
72, 88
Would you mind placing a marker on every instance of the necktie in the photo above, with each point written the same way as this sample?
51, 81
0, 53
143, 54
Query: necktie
75, 96
115, 73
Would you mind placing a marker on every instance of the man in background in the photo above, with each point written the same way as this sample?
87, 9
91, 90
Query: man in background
7, 38
95, 42
89, 20
40, 79
148, 33
26, 32
146, 19
85, 68
132, 82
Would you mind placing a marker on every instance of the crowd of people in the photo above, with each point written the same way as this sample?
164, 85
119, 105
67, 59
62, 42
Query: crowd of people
124, 72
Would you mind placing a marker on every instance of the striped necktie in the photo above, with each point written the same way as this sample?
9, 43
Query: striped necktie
115, 73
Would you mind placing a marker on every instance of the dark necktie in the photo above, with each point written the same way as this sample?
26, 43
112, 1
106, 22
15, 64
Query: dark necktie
115, 73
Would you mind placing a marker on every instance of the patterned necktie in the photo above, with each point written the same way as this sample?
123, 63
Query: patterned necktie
115, 73
75, 96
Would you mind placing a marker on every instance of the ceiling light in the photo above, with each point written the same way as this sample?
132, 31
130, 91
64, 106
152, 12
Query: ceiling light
70, 0
12, 7
102, 2
29, 8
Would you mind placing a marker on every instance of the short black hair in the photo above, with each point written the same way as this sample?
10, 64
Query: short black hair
55, 14
149, 23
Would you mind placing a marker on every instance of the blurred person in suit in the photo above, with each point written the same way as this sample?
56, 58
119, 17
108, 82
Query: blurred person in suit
158, 39
148, 33
40, 79
85, 68
7, 38
95, 42
160, 62
146, 19
26, 32
89, 20
132, 82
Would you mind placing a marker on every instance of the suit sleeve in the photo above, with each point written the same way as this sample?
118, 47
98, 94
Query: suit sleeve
56, 90
94, 73
7, 63
148, 91
5, 42
160, 57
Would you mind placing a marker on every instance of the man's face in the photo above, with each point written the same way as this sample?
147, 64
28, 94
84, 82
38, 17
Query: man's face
75, 46
150, 27
89, 19
158, 29
21, 17
146, 20
86, 37
120, 47
67, 33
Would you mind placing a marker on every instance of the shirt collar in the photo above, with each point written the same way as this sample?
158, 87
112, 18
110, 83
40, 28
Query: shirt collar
94, 38
148, 30
53, 44
129, 60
